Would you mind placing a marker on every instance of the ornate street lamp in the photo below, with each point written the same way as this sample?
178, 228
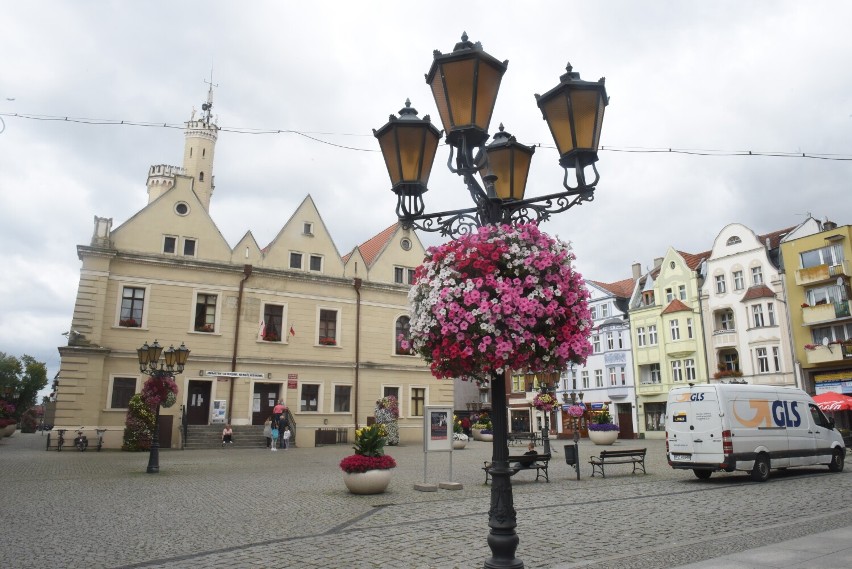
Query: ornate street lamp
173, 363
544, 389
465, 83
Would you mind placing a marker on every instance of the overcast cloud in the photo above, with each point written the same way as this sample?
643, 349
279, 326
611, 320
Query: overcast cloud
723, 76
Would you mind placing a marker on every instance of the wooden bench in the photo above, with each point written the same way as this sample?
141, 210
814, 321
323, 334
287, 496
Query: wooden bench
539, 464
635, 456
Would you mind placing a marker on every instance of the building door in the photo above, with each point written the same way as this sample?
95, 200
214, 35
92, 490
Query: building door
264, 399
625, 421
198, 403
166, 423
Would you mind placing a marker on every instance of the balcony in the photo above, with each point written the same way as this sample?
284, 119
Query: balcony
825, 312
821, 273
724, 339
832, 353
681, 348
651, 389
617, 392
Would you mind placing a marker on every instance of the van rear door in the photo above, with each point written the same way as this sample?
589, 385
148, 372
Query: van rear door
694, 427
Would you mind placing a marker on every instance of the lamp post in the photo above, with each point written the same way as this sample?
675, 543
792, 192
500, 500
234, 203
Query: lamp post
545, 430
173, 363
576, 423
465, 83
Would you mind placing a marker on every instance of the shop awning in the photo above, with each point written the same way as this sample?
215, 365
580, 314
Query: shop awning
832, 401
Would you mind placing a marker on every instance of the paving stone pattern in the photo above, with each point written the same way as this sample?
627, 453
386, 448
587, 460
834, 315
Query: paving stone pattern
241, 507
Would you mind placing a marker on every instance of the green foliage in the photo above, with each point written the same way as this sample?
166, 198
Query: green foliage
139, 426
21, 378
602, 418
370, 441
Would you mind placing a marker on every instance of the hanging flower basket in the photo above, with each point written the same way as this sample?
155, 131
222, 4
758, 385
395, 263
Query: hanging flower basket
545, 402
503, 297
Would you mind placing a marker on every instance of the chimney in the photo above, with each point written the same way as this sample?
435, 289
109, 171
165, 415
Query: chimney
637, 271
657, 262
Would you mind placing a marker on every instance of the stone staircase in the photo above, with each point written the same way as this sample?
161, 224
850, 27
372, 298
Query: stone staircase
210, 436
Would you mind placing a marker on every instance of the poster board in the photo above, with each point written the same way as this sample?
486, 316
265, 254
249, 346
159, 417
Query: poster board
220, 408
438, 429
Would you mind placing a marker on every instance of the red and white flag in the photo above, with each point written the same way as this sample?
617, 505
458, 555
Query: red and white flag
292, 330
262, 328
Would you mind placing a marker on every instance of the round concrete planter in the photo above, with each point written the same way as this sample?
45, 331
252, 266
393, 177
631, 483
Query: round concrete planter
370, 482
458, 445
8, 430
603, 437
478, 435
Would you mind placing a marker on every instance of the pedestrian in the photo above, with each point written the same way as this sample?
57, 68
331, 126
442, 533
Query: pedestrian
274, 438
277, 411
527, 462
267, 431
227, 435
465, 425
285, 438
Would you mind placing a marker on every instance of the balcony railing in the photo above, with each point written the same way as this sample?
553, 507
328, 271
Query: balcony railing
828, 354
724, 338
821, 273
826, 312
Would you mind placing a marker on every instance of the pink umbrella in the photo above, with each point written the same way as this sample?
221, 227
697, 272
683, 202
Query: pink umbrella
832, 401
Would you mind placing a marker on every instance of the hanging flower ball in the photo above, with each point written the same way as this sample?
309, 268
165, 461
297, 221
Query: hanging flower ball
575, 411
545, 402
505, 297
159, 390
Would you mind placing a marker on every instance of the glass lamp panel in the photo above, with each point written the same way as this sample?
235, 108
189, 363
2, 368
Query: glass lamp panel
520, 172
500, 163
430, 148
486, 93
410, 140
585, 104
154, 351
458, 77
559, 120
169, 356
387, 142
441, 101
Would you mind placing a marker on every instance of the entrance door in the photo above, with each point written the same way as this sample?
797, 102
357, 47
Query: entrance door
198, 403
625, 421
264, 398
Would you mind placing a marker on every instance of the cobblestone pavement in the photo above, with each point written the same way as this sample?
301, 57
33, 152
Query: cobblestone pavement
253, 508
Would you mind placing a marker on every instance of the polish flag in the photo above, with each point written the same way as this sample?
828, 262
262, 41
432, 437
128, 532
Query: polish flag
262, 328
292, 331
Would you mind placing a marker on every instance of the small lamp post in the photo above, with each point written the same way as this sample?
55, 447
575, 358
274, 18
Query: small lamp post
464, 84
173, 363
574, 399
545, 429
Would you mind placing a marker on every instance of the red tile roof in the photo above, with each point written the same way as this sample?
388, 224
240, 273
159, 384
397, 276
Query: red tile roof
676, 306
759, 291
775, 237
621, 289
371, 248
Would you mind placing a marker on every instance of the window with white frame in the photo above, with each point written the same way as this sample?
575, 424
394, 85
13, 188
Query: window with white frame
739, 281
598, 378
831, 255
836, 333
610, 341
720, 284
681, 292
327, 327
689, 368
584, 375
123, 388
623, 375
604, 310
132, 306
824, 295
295, 260
272, 325
762, 360
656, 377
594, 312
640, 336
757, 314
655, 416
776, 357
596, 344
669, 295
620, 340
418, 401
652, 335
689, 332
757, 275
169, 244
403, 275
205, 312
392, 391
725, 320
189, 247
307, 228
674, 327
342, 398
613, 377
677, 372
315, 263
402, 333
770, 313
309, 397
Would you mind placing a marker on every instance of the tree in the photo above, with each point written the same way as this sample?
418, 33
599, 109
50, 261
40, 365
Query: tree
21, 380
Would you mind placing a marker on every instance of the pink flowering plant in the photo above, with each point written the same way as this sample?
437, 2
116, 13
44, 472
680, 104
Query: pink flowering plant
545, 402
159, 390
505, 297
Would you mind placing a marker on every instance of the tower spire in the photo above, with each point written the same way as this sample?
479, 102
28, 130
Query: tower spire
208, 106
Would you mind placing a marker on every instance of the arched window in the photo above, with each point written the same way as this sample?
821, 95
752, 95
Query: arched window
734, 240
402, 333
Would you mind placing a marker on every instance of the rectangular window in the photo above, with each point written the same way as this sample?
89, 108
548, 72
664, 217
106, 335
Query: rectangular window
674, 327
307, 228
189, 247
132, 305
398, 274
762, 360
272, 329
342, 398
689, 332
831, 255
620, 341
594, 311
391, 391
669, 295
610, 341
652, 335
677, 372
585, 376
316, 263
776, 357
623, 375
596, 344
640, 336
727, 320
720, 284
604, 310
655, 373
681, 292
739, 282
689, 367
756, 275
655, 416
770, 313
757, 313
518, 384
613, 378
295, 260
418, 401
309, 399
328, 327
123, 388
730, 362
169, 245
598, 378
411, 273
205, 312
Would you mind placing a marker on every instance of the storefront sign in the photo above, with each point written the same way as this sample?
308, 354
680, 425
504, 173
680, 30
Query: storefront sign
220, 407
292, 384
247, 374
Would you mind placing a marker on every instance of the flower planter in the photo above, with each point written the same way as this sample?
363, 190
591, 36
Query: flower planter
8, 430
370, 482
478, 435
458, 445
603, 437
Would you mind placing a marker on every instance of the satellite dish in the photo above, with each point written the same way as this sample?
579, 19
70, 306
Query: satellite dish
839, 281
825, 342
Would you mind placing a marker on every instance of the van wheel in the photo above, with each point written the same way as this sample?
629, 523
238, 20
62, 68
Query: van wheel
837, 459
760, 472
702, 474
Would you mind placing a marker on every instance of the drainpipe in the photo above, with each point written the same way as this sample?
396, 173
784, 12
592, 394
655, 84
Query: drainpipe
356, 284
246, 274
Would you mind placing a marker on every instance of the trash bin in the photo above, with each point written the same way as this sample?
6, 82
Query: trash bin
570, 455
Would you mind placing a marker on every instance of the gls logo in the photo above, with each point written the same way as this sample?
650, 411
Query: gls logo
782, 413
684, 397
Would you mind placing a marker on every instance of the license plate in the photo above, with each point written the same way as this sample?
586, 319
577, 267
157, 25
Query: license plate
681, 457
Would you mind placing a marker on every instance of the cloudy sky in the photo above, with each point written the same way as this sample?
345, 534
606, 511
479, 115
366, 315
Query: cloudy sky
717, 79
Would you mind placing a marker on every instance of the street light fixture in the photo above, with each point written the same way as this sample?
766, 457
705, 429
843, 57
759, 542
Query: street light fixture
465, 83
545, 389
173, 363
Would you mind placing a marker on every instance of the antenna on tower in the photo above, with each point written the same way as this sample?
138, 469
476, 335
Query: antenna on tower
208, 106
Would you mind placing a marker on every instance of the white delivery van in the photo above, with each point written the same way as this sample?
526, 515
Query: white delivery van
713, 427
